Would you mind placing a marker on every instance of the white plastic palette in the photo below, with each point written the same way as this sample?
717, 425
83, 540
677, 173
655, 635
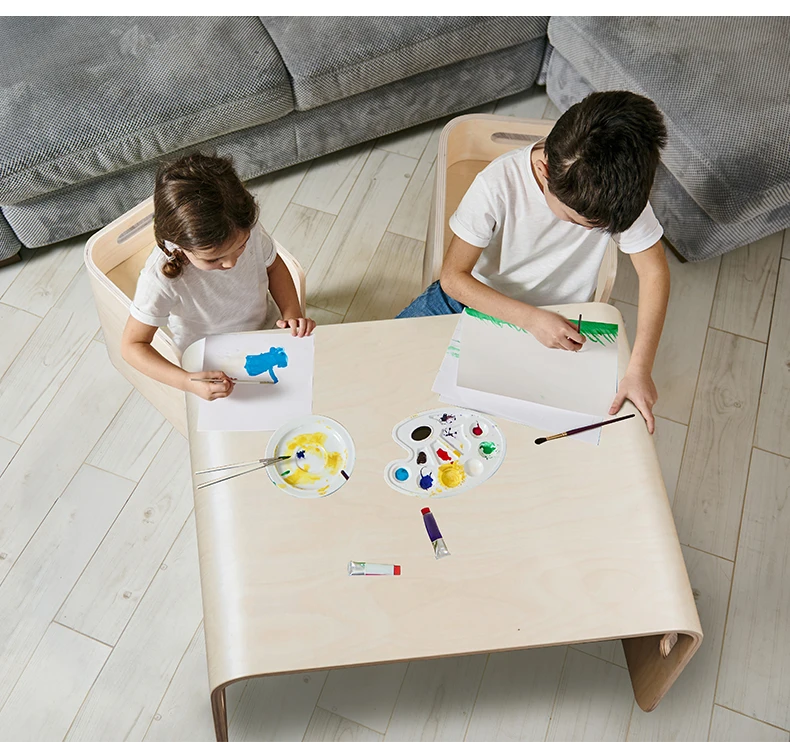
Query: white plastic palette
322, 456
450, 450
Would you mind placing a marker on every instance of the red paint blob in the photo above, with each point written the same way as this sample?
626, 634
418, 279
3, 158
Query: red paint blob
443, 455
477, 430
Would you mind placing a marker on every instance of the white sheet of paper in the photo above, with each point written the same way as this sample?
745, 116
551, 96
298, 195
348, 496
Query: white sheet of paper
259, 406
542, 417
503, 360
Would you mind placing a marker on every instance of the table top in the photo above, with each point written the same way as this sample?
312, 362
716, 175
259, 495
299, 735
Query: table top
567, 542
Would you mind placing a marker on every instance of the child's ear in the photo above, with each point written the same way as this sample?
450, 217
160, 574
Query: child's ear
542, 168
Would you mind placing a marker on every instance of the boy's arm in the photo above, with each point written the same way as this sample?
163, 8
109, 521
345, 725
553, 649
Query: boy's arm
457, 281
637, 384
283, 291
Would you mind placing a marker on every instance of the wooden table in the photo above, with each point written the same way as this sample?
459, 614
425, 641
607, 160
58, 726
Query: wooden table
567, 543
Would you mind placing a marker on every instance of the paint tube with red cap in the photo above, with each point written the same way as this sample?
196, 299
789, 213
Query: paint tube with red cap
440, 550
368, 568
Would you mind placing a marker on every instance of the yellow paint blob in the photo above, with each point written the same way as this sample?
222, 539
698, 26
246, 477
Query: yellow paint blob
313, 444
451, 475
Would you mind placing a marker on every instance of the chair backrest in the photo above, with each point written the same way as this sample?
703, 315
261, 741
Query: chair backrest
468, 144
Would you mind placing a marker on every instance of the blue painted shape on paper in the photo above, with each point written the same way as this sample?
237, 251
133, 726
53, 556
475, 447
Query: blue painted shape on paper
265, 363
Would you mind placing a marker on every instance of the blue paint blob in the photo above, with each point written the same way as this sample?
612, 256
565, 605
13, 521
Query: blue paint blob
401, 474
265, 363
300, 454
426, 481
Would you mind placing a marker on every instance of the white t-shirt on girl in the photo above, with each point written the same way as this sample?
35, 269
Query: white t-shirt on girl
202, 303
530, 254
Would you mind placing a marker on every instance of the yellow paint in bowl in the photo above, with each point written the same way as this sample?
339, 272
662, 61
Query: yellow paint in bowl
452, 475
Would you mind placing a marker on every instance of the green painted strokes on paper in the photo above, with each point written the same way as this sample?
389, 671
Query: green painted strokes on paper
598, 332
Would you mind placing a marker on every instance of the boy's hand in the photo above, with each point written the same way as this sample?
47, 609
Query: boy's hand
210, 391
637, 386
554, 331
300, 326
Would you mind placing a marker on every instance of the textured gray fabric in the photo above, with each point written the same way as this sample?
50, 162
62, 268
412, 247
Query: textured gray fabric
721, 83
330, 58
9, 244
83, 97
294, 138
693, 233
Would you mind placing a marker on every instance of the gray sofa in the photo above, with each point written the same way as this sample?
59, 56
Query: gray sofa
89, 105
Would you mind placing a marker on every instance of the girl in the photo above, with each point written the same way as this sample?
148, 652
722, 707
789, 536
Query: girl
212, 272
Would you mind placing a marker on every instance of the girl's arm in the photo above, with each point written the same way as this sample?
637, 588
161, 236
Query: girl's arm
137, 351
283, 292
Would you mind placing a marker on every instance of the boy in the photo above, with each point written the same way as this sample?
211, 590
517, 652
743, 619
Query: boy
533, 227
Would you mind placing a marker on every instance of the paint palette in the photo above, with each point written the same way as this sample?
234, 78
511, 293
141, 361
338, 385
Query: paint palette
322, 456
451, 450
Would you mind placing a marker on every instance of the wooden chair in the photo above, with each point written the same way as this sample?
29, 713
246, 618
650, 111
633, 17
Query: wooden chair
114, 257
467, 144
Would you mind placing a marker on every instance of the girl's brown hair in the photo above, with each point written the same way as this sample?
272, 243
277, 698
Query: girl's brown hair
199, 202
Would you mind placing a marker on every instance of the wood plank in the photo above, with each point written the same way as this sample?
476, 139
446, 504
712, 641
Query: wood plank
185, 710
8, 450
48, 459
392, 281
18, 326
626, 284
132, 683
53, 686
339, 267
517, 695
326, 727
685, 712
331, 178
729, 726
323, 316
131, 441
8, 274
365, 695
593, 701
773, 422
51, 563
414, 210
754, 676
274, 191
113, 584
527, 105
609, 651
680, 351
712, 481
745, 294
302, 231
409, 142
277, 708
786, 244
45, 275
35, 376
670, 442
437, 698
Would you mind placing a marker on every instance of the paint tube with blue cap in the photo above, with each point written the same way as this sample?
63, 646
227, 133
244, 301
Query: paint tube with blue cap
440, 550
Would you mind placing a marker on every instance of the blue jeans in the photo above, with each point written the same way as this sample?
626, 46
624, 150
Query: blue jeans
431, 302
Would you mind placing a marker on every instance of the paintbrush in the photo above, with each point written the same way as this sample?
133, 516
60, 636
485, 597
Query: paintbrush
236, 381
579, 328
538, 441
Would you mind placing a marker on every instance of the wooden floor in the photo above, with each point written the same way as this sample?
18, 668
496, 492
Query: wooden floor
101, 636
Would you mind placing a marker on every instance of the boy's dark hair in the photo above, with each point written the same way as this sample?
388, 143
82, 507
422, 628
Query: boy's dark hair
199, 201
602, 155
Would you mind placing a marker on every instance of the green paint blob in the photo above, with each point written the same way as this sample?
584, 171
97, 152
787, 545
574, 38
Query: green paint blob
487, 448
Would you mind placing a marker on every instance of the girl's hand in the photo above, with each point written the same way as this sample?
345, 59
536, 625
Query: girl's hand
210, 391
637, 386
554, 331
300, 326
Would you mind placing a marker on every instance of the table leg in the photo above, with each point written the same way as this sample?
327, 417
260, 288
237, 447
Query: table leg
652, 674
220, 712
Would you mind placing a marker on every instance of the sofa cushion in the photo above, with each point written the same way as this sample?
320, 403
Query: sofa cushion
330, 58
722, 85
82, 97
